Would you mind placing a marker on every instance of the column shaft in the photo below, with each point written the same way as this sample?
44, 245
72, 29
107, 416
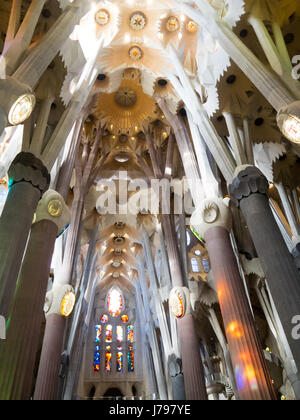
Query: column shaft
250, 191
253, 380
15, 223
194, 380
47, 379
18, 351
29, 179
278, 265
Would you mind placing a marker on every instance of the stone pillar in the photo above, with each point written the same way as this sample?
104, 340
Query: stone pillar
47, 379
175, 368
194, 380
18, 351
29, 179
250, 191
213, 222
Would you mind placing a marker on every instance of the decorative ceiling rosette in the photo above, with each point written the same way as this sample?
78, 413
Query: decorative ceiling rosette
212, 61
102, 21
118, 56
169, 28
139, 20
126, 109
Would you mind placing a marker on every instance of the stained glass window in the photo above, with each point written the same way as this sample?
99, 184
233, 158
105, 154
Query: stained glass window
206, 265
130, 357
104, 319
97, 333
119, 334
96, 365
108, 334
108, 361
195, 265
124, 318
130, 335
119, 361
114, 302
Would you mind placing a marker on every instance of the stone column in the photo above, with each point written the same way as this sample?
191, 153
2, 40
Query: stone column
18, 351
47, 378
194, 380
29, 179
250, 191
175, 368
213, 222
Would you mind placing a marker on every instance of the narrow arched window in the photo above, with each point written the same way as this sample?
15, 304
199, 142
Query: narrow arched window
114, 337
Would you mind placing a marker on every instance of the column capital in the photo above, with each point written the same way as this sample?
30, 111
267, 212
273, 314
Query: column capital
213, 212
53, 207
248, 180
28, 168
60, 300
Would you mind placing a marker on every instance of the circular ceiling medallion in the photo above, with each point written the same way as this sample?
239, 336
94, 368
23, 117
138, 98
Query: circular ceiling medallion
126, 97
191, 26
116, 264
102, 17
172, 24
119, 240
135, 53
138, 21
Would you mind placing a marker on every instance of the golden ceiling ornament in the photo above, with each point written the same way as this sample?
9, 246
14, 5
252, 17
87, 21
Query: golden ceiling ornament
102, 17
55, 208
126, 120
191, 26
138, 21
172, 24
135, 53
126, 97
